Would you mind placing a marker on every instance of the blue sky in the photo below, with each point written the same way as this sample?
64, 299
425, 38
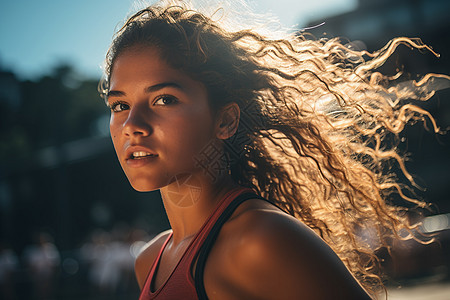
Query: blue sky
37, 35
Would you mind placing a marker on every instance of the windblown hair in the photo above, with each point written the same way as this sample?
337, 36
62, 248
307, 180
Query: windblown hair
319, 125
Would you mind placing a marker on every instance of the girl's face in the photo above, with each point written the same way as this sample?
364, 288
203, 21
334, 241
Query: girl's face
160, 119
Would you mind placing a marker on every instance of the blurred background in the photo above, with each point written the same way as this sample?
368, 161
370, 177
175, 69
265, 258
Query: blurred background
71, 225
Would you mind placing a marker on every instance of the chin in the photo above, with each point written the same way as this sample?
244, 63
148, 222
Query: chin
142, 189
144, 185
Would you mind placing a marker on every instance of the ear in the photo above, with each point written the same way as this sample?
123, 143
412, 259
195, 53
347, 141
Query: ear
227, 121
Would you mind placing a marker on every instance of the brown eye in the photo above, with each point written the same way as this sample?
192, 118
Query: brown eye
165, 100
119, 106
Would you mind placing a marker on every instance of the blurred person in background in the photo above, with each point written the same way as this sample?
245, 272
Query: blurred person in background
43, 261
9, 264
269, 153
109, 261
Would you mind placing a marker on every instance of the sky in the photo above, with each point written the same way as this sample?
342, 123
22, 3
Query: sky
36, 36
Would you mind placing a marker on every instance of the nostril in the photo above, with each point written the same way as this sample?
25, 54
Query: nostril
133, 129
137, 122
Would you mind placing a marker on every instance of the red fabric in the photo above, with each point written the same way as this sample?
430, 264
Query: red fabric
180, 284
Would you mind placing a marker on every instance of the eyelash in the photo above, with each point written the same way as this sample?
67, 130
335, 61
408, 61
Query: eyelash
114, 105
162, 97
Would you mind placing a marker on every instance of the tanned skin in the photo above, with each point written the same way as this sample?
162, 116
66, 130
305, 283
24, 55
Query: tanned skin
261, 252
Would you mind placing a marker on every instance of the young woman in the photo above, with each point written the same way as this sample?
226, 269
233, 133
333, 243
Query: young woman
269, 155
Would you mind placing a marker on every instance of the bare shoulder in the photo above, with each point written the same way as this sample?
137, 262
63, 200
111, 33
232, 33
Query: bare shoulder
266, 253
147, 256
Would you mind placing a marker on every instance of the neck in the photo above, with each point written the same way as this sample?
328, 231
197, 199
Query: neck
190, 199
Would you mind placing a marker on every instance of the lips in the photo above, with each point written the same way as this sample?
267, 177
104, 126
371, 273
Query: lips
139, 153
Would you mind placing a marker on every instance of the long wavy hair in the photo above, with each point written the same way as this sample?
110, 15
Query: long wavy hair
319, 126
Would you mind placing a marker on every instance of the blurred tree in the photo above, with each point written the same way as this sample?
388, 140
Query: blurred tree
52, 110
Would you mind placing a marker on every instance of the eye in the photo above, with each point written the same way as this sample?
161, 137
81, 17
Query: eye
118, 106
165, 100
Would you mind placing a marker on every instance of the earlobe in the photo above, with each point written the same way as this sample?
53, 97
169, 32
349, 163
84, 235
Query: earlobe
228, 121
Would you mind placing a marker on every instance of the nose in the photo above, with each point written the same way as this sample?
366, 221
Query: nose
137, 123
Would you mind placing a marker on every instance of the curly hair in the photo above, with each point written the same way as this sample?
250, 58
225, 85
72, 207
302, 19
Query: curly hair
319, 126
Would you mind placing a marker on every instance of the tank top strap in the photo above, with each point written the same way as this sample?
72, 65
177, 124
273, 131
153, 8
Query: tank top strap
212, 234
212, 219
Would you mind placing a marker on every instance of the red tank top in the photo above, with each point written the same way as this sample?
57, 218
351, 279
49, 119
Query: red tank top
180, 284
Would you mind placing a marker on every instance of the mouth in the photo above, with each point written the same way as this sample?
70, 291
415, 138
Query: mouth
138, 159
137, 156
141, 155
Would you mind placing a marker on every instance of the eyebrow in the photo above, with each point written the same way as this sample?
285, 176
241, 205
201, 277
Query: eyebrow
150, 89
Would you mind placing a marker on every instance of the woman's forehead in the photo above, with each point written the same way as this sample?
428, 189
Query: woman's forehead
142, 64
143, 68
138, 57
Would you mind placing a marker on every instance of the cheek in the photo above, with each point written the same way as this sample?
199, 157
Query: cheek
201, 126
112, 127
114, 132
189, 134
